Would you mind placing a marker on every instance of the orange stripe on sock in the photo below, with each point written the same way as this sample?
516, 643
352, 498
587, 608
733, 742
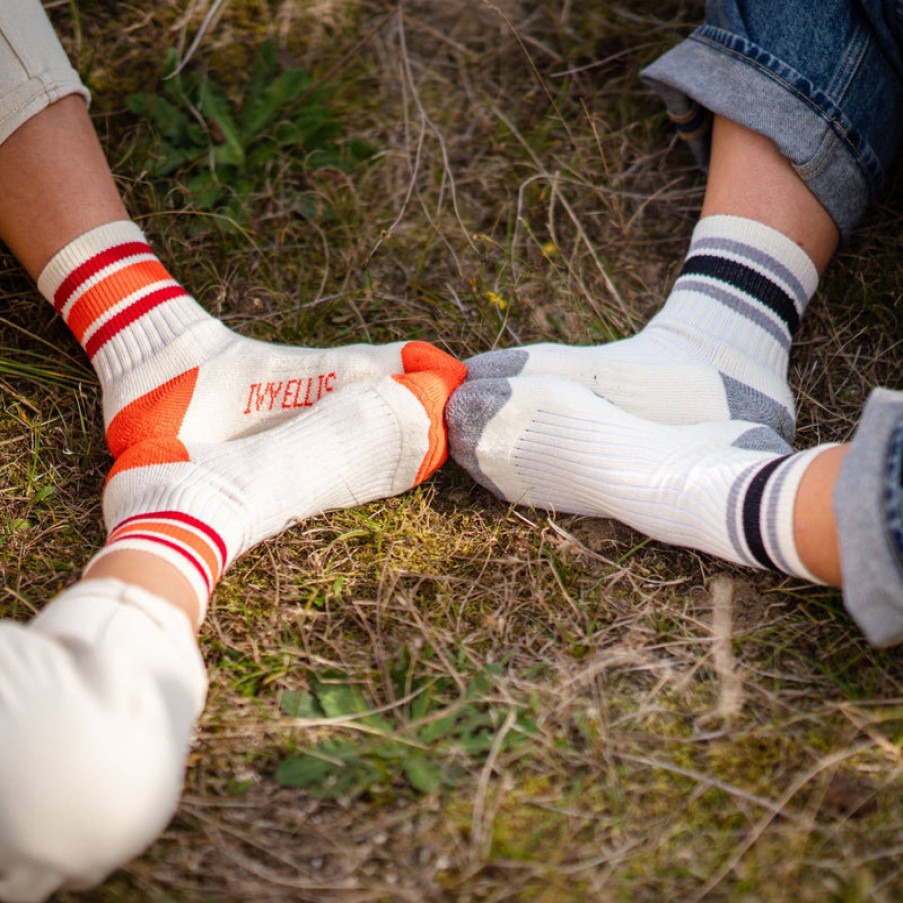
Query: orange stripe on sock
98, 299
157, 541
159, 413
194, 542
160, 450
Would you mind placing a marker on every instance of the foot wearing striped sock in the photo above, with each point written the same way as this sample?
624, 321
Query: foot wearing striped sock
727, 488
168, 368
200, 505
717, 350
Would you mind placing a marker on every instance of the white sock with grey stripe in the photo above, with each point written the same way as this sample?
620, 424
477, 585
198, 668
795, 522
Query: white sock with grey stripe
717, 350
727, 488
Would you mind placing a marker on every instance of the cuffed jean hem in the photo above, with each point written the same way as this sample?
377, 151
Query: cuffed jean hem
728, 75
868, 506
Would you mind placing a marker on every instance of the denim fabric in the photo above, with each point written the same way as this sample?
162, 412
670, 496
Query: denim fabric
868, 506
824, 81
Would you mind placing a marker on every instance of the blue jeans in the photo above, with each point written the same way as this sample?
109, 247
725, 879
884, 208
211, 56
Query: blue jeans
823, 80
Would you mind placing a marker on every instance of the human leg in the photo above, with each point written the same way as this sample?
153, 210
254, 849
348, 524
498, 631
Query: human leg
831, 514
199, 505
798, 151
100, 692
99, 697
727, 488
718, 349
720, 346
165, 365
749, 178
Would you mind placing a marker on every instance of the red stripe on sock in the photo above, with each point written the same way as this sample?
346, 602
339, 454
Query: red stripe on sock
151, 537
94, 265
181, 517
189, 539
125, 282
128, 316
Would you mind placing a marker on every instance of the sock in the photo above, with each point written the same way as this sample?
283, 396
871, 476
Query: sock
200, 505
726, 488
717, 350
166, 367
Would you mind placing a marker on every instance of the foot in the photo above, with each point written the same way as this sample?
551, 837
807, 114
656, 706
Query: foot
169, 369
726, 488
718, 349
201, 505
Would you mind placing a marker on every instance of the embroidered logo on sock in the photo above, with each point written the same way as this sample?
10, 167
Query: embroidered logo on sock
303, 392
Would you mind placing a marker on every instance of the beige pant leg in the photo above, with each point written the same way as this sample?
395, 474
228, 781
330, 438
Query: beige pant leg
34, 69
98, 698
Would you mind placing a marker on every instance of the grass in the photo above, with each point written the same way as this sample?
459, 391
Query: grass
504, 706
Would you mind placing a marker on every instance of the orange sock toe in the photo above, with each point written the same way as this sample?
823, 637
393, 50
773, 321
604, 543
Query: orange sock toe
418, 356
432, 389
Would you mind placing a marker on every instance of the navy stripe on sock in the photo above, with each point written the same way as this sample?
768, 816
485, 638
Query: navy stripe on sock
752, 509
893, 495
748, 280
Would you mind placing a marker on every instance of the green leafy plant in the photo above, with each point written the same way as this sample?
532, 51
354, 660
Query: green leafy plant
443, 732
224, 154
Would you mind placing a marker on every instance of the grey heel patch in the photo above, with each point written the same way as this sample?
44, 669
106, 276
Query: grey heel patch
746, 403
761, 438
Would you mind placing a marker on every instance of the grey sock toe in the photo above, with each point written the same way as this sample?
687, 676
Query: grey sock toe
468, 413
497, 364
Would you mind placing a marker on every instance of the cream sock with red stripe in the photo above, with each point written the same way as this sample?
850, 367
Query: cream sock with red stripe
200, 505
167, 367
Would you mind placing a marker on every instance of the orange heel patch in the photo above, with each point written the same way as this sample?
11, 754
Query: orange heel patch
161, 450
159, 413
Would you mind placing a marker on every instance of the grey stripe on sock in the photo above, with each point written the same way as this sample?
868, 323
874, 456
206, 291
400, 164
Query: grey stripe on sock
734, 518
761, 438
775, 487
772, 325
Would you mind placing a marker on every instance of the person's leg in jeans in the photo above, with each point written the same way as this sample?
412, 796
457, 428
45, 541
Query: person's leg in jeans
791, 88
539, 425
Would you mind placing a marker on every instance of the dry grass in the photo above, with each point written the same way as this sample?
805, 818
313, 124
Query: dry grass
702, 732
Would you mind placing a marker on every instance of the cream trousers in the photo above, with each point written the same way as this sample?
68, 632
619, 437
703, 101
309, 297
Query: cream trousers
34, 69
98, 698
